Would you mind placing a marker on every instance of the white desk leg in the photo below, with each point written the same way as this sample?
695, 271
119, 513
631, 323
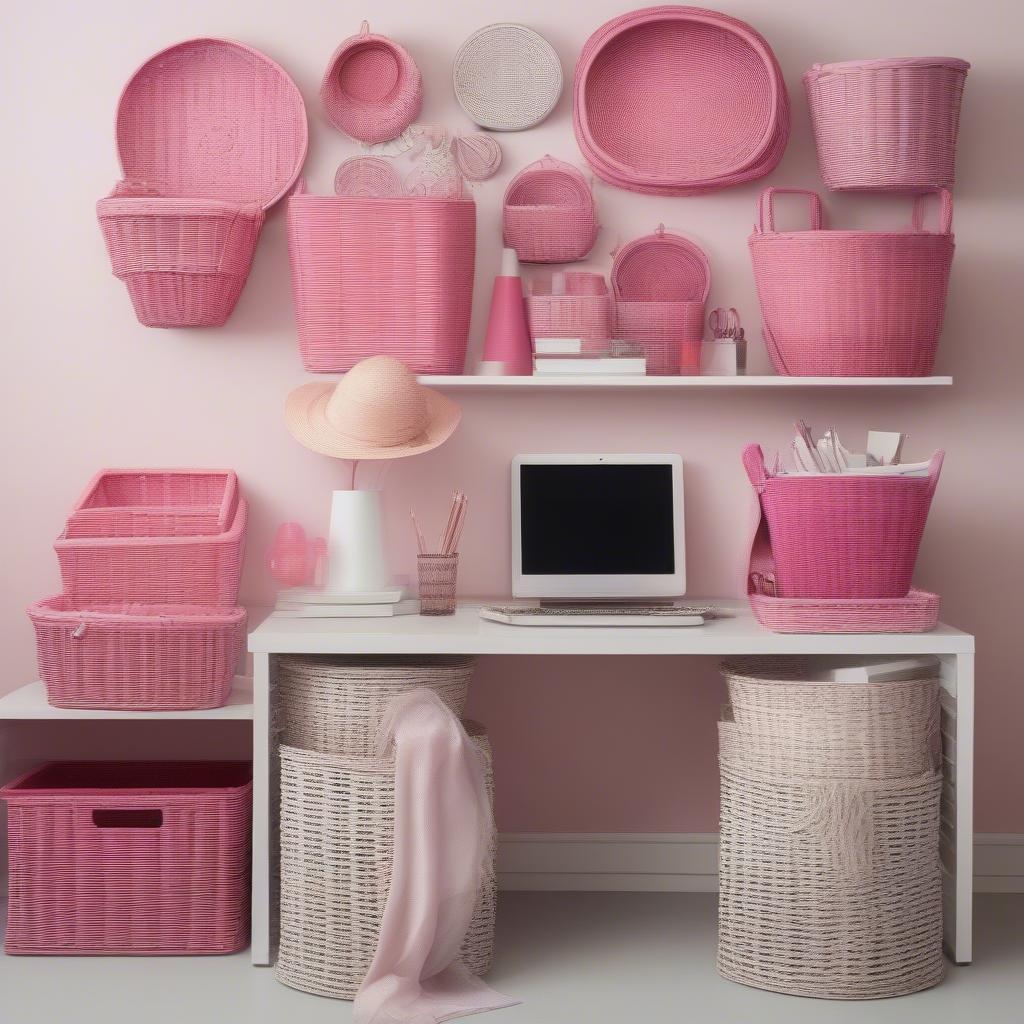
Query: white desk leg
261, 810
958, 804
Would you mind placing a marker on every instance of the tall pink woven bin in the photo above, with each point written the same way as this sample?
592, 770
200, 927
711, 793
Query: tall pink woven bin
887, 125
852, 303
137, 657
842, 535
391, 276
130, 859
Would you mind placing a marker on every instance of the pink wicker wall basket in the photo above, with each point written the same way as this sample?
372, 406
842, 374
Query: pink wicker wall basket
548, 214
679, 101
887, 125
155, 503
842, 536
382, 276
852, 303
372, 89
133, 657
582, 308
129, 859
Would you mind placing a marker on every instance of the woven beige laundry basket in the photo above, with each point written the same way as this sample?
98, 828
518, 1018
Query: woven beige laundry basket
337, 844
334, 705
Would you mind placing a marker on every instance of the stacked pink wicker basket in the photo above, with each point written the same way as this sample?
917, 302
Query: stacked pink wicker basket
148, 618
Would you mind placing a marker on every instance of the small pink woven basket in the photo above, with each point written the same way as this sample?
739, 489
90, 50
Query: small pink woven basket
129, 859
133, 657
548, 214
852, 303
887, 125
583, 309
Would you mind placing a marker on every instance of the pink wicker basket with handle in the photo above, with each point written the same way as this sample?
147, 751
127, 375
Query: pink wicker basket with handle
887, 125
382, 276
549, 214
852, 303
582, 308
129, 859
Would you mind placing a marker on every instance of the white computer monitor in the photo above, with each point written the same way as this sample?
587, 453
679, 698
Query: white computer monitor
598, 527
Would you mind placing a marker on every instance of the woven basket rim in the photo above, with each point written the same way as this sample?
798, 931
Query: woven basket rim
817, 71
60, 608
769, 671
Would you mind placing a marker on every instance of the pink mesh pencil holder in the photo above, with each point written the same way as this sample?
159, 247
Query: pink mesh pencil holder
887, 125
548, 214
581, 308
852, 303
438, 579
842, 535
129, 859
135, 657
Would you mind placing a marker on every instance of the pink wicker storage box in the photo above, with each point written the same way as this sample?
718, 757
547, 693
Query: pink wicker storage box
137, 657
382, 277
155, 503
549, 214
128, 859
200, 570
583, 309
918, 612
852, 303
887, 125
678, 100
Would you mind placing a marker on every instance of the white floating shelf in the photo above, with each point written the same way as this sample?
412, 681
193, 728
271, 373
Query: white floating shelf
472, 383
29, 702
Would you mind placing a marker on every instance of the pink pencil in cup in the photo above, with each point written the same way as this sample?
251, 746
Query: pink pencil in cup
438, 571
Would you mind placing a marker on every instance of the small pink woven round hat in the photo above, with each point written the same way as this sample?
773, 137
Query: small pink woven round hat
378, 410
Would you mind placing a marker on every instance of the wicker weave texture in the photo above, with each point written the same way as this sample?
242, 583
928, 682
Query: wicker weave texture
887, 125
129, 859
581, 309
438, 583
670, 334
918, 612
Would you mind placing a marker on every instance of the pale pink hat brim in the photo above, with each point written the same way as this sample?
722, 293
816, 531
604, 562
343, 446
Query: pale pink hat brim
305, 416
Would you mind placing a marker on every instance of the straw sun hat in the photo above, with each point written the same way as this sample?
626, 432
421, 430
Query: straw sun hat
378, 410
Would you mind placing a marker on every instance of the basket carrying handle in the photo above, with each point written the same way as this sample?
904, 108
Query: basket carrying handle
753, 463
766, 207
945, 210
129, 817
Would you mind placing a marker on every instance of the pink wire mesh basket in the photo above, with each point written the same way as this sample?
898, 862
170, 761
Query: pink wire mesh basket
197, 570
581, 309
548, 214
382, 276
137, 657
852, 303
155, 503
678, 100
129, 859
887, 125
842, 535
372, 89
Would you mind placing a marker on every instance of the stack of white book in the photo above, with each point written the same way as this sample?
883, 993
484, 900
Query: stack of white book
586, 357
312, 603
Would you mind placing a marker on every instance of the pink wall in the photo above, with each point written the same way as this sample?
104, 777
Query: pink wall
582, 744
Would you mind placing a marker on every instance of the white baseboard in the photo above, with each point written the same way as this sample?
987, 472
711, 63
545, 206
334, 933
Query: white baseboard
680, 862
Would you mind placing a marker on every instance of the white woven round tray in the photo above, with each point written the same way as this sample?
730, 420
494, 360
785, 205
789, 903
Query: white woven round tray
507, 77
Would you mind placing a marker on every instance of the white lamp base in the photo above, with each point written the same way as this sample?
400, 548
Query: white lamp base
355, 545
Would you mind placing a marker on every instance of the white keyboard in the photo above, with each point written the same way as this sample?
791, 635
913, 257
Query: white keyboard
597, 615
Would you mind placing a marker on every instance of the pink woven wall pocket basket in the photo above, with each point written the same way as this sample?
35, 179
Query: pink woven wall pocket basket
210, 133
143, 859
887, 125
852, 303
137, 657
549, 214
382, 276
661, 283
679, 101
578, 306
842, 535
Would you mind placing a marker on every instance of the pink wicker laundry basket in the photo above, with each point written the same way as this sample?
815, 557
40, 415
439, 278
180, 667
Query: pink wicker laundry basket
852, 303
130, 859
887, 125
198, 570
137, 657
581, 309
155, 503
549, 214
372, 89
678, 100
382, 276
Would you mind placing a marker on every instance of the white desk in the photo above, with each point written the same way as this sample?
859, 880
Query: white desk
466, 633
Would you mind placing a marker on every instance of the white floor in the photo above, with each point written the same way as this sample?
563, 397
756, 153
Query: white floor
573, 958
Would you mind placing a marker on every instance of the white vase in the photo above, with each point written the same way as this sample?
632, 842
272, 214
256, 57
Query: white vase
355, 546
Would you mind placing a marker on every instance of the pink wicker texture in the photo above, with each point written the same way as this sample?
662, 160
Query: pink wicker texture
131, 859
155, 503
583, 310
549, 214
852, 303
887, 125
135, 657
372, 89
679, 101
382, 277
918, 612
842, 536
199, 570
367, 176
670, 333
